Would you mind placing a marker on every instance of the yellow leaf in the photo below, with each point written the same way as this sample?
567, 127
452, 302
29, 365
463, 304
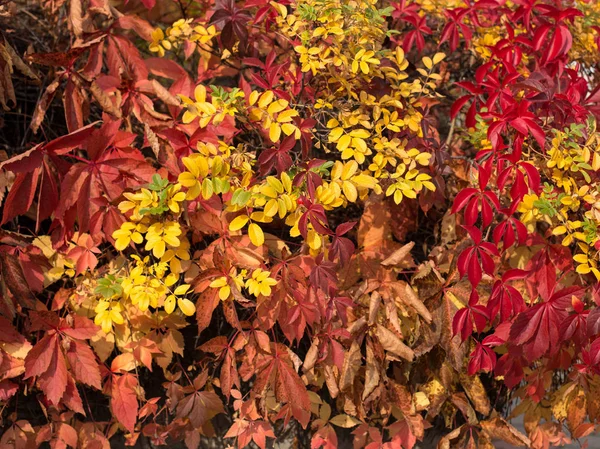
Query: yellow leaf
271, 208
238, 222
559, 230
286, 116
277, 106
265, 99
360, 133
256, 234
274, 132
365, 181
438, 57
421, 401
350, 191
335, 134
427, 62
583, 269
182, 289
186, 306
344, 142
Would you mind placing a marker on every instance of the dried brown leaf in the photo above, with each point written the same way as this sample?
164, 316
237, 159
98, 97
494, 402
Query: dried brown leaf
476, 393
498, 428
393, 344
352, 363
372, 373
408, 296
400, 257
42, 106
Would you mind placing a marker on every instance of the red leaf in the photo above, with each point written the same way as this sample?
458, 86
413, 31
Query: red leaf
277, 370
53, 381
123, 401
83, 364
83, 328
39, 358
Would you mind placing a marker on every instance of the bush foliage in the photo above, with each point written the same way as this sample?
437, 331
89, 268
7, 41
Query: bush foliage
370, 220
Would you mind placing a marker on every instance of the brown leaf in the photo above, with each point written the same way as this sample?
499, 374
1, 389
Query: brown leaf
444, 443
576, 410
104, 100
448, 229
428, 280
74, 101
372, 372
451, 343
462, 403
20, 64
76, 17
498, 428
331, 381
408, 296
352, 363
199, 407
311, 355
152, 140
13, 277
400, 257
393, 344
476, 393
43, 105
163, 94
374, 304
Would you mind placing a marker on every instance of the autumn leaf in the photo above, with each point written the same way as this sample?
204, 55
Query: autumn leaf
199, 407
123, 400
276, 370
83, 364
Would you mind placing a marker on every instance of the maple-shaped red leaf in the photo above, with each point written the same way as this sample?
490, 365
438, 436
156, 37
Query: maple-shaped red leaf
478, 258
84, 254
199, 407
276, 370
205, 306
483, 357
7, 390
473, 315
505, 299
232, 21
277, 158
39, 166
123, 400
108, 173
575, 326
248, 431
473, 200
537, 329
455, 26
342, 247
405, 432
143, 350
